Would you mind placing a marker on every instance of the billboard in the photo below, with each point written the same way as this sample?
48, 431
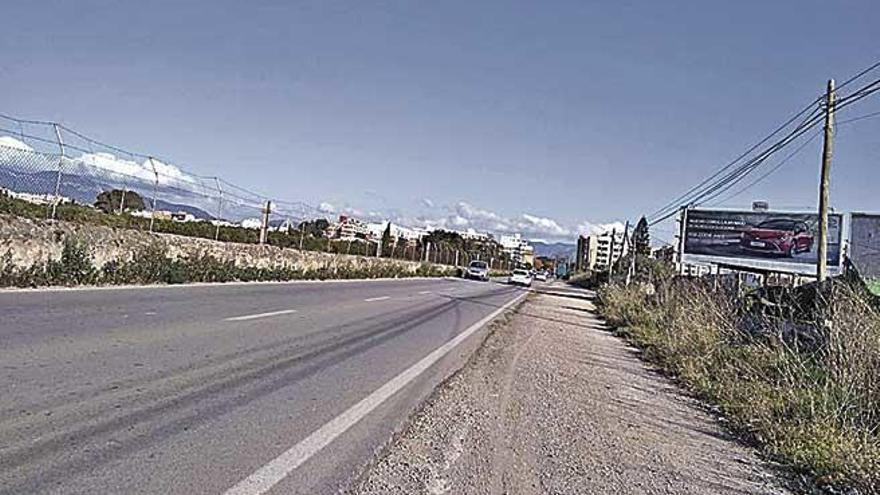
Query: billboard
765, 240
864, 243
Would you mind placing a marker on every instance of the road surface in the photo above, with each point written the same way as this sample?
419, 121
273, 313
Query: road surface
246, 388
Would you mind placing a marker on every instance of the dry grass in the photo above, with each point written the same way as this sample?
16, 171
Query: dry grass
815, 405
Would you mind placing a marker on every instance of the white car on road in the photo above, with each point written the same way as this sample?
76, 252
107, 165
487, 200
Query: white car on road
541, 276
521, 277
478, 270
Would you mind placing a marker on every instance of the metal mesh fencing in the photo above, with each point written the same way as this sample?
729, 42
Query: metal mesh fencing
52, 166
49, 164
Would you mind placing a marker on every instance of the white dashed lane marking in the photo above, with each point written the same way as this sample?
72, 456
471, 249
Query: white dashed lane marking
380, 298
260, 315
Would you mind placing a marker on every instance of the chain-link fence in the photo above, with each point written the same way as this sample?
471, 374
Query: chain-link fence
51, 166
58, 173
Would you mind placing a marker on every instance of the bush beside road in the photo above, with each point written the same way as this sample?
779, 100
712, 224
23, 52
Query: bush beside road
807, 392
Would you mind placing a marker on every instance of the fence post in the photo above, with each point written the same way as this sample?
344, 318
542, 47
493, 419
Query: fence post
219, 209
56, 198
155, 190
264, 228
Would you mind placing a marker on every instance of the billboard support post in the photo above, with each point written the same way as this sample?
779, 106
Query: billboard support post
822, 261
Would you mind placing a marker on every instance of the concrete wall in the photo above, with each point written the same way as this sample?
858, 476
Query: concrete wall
31, 241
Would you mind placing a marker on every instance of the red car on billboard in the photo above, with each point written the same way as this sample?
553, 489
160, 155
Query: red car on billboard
782, 236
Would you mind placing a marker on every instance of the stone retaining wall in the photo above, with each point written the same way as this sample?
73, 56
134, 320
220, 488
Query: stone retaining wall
31, 241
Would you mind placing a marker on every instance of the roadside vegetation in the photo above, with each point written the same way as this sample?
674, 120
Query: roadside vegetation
796, 371
153, 265
309, 234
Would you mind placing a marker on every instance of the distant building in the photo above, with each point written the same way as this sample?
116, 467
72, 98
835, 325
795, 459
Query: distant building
585, 256
472, 234
347, 229
518, 249
545, 263
37, 199
158, 214
252, 223
411, 235
600, 252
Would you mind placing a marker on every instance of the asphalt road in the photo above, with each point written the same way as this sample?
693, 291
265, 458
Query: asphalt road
265, 388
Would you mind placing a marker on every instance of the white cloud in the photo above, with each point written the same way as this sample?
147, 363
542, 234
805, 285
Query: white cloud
107, 163
11, 142
463, 215
326, 207
541, 225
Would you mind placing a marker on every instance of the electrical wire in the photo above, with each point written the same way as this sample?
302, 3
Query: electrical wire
861, 117
769, 172
707, 189
743, 170
676, 203
860, 74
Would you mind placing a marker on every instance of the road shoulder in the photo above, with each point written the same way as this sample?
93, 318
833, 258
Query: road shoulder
553, 403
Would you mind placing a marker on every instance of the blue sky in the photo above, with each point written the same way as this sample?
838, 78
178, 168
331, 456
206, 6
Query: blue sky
465, 113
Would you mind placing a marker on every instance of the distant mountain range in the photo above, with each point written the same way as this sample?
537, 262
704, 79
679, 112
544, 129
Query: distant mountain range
554, 249
85, 189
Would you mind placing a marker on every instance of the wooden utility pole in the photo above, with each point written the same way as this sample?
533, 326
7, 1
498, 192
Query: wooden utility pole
822, 262
682, 240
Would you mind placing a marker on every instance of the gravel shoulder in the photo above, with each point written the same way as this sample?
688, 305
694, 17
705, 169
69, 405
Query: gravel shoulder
553, 403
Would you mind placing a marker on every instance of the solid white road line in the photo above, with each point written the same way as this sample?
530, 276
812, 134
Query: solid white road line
381, 298
260, 315
264, 478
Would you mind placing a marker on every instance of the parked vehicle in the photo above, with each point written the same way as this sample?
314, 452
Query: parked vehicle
783, 237
541, 276
521, 277
477, 270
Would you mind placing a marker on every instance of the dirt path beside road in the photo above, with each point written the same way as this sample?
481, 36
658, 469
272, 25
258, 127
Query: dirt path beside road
553, 403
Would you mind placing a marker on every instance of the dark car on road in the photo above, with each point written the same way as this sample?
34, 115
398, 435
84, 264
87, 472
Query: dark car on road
478, 270
782, 237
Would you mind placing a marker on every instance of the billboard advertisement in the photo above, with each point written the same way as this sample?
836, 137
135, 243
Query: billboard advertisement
765, 240
864, 243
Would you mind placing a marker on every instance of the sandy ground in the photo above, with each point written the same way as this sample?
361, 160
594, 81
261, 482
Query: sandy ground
553, 403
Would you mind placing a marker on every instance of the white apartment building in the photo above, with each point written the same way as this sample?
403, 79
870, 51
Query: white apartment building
411, 235
37, 199
599, 251
348, 228
474, 235
518, 248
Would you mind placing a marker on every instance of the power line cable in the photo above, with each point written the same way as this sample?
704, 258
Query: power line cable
860, 74
861, 117
753, 164
743, 170
708, 187
675, 203
769, 172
